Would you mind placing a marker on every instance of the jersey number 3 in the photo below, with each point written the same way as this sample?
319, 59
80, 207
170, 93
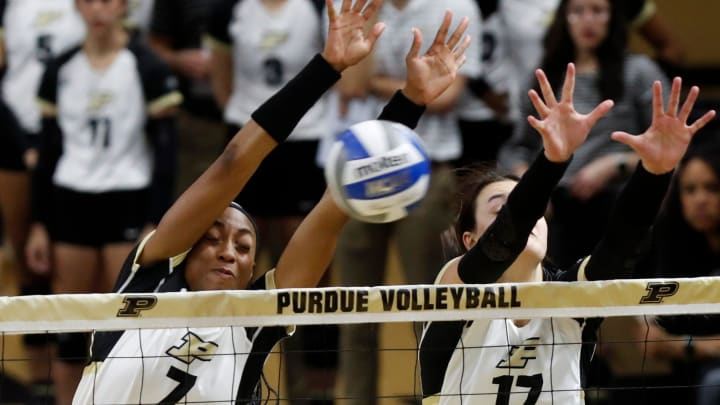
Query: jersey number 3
185, 383
505, 382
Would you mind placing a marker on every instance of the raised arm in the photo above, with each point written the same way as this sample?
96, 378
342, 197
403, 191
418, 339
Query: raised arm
313, 245
660, 149
563, 130
201, 204
385, 87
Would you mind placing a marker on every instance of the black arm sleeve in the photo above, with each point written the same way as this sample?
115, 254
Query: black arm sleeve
401, 110
634, 212
506, 238
162, 134
50, 150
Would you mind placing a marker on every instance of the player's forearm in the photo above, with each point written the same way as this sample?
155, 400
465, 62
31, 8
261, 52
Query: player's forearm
312, 247
630, 220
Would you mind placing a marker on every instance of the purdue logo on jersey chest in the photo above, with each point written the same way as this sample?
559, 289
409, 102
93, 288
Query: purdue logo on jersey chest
98, 100
46, 18
519, 355
193, 347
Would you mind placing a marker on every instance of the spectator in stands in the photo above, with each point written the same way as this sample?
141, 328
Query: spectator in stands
686, 243
176, 34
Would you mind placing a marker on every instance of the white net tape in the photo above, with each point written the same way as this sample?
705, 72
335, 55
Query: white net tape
104, 312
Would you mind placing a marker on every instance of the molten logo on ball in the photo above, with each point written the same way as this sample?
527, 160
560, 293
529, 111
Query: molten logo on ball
377, 171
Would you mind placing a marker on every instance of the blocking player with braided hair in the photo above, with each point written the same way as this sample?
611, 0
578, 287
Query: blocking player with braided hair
204, 243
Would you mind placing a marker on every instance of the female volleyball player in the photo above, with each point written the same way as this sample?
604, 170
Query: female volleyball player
205, 243
502, 230
32, 32
106, 145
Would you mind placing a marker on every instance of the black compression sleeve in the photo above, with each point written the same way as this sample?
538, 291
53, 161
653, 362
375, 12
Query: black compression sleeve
279, 115
506, 238
401, 110
50, 150
162, 134
630, 221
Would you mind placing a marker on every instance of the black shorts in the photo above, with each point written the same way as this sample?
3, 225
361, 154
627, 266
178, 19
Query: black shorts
97, 219
13, 141
287, 183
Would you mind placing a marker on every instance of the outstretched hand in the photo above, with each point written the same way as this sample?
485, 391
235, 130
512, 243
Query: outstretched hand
662, 145
347, 44
429, 75
562, 128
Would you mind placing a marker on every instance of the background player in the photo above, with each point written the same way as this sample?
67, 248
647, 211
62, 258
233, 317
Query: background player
107, 145
500, 225
32, 32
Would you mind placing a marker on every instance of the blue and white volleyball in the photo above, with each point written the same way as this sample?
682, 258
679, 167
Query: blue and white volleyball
377, 171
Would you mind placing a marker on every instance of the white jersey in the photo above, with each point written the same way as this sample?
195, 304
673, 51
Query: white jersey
102, 116
34, 32
269, 47
188, 365
495, 70
495, 361
525, 23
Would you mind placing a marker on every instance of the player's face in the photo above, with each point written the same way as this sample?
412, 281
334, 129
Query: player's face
588, 22
224, 258
700, 196
487, 206
102, 16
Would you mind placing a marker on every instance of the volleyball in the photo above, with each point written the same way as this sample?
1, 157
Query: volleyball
377, 171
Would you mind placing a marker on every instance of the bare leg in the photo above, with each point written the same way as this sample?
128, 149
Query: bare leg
76, 271
113, 257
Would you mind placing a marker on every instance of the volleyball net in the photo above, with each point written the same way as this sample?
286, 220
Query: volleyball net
636, 361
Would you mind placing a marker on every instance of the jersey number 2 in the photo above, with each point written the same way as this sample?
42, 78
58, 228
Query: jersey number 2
186, 382
505, 382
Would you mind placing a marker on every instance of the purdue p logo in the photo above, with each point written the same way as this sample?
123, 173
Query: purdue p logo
658, 291
519, 355
193, 348
135, 304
